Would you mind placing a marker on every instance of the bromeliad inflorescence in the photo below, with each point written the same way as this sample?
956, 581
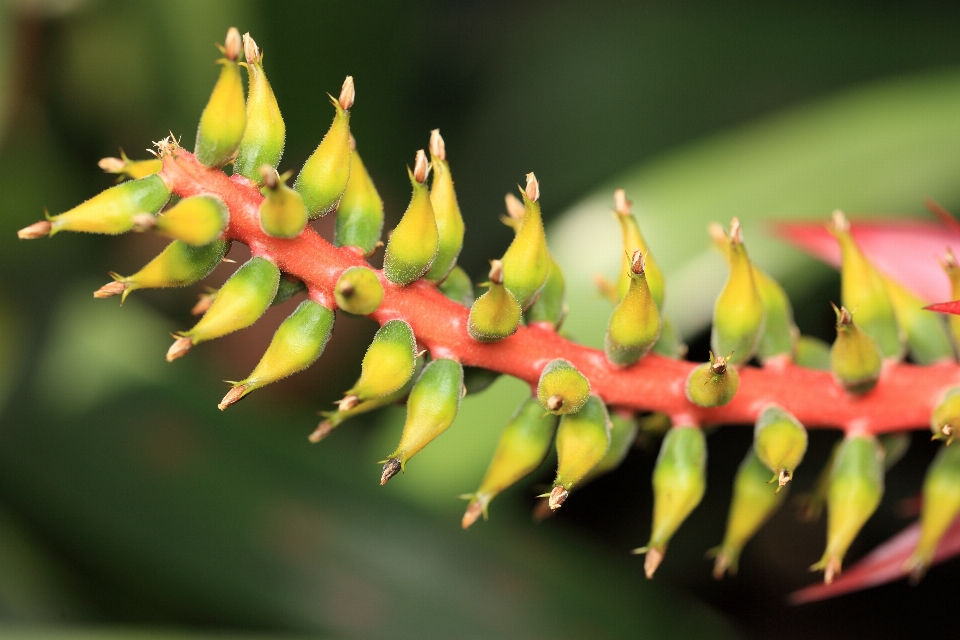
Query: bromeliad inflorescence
437, 341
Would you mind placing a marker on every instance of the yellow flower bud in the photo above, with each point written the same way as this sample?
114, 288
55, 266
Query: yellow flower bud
635, 323
113, 211
780, 442
713, 383
525, 263
562, 389
358, 291
941, 504
360, 214
496, 314
388, 364
446, 210
282, 212
225, 116
632, 242
198, 220
855, 358
264, 135
179, 265
413, 245
738, 315
324, 176
583, 439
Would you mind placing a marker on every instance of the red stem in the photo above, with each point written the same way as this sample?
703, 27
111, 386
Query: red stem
904, 398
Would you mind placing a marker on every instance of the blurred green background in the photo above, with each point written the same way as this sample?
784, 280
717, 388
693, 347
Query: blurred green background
129, 503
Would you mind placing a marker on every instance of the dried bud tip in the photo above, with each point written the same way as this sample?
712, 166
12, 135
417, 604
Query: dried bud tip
844, 318
353, 143
555, 403
514, 206
620, 203
718, 364
736, 235
473, 512
36, 230
652, 562
269, 176
533, 187
784, 477
840, 222
496, 271
557, 497
437, 148
179, 349
390, 469
637, 262
421, 167
251, 52
347, 94
946, 430
720, 566
348, 402
949, 260
112, 165
321, 432
716, 232
231, 46
143, 221
346, 289
110, 289
203, 303
831, 570
233, 396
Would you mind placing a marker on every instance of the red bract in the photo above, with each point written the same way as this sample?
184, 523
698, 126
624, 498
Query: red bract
946, 307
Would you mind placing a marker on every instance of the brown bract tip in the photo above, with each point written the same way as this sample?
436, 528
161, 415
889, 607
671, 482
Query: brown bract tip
348, 402
112, 165
251, 52
421, 167
203, 303
843, 317
736, 234
716, 232
637, 262
784, 477
346, 289
840, 222
353, 143
390, 469
233, 396
555, 403
437, 147
533, 187
231, 46
514, 207
110, 289
620, 203
496, 271
557, 497
652, 562
143, 221
473, 512
718, 364
720, 566
321, 432
542, 510
179, 348
36, 230
269, 176
831, 570
348, 94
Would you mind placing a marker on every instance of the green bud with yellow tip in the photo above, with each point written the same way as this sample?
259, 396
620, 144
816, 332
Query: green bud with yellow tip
496, 314
198, 220
713, 383
522, 447
358, 291
862, 289
550, 307
941, 504
282, 212
670, 344
635, 323
243, 298
297, 343
178, 265
525, 263
780, 442
738, 315
583, 439
679, 481
388, 364
225, 116
325, 174
632, 242
562, 389
458, 287
413, 244
812, 353
110, 212
928, 341
855, 358
752, 505
360, 214
856, 486
952, 269
446, 211
125, 168
431, 408
264, 135
945, 421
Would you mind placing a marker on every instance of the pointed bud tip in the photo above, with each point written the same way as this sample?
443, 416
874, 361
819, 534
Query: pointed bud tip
353, 143
736, 233
555, 403
112, 165
437, 147
204, 301
144, 221
421, 168
652, 562
231, 46
720, 566
533, 187
179, 348
831, 570
322, 431
637, 262
784, 477
844, 318
390, 469
36, 230
472, 514
620, 203
496, 271
718, 364
716, 232
110, 289
346, 289
348, 402
514, 206
557, 497
269, 176
840, 222
348, 94
233, 396
251, 52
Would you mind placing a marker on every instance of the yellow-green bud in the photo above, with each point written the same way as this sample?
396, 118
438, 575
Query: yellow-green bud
812, 353
225, 116
446, 210
263, 138
952, 269
752, 505
635, 323
113, 211
670, 344
550, 307
413, 245
496, 314
358, 291
562, 389
945, 421
360, 214
679, 480
431, 408
388, 364
928, 341
458, 287
297, 344
738, 315
282, 212
862, 289
522, 447
583, 439
324, 176
713, 383
125, 168
623, 433
632, 242
198, 220
855, 358
525, 262
856, 486
780, 442
941, 504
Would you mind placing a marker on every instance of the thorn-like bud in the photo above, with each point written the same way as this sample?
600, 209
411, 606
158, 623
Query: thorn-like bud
738, 315
635, 324
110, 289
348, 94
110, 212
178, 265
225, 117
562, 389
389, 362
437, 148
415, 242
127, 168
855, 358
526, 261
532, 190
713, 383
231, 46
496, 272
945, 421
941, 504
633, 241
326, 172
282, 212
251, 52
496, 314
179, 348
583, 439
421, 168
358, 291
390, 468
35, 230
443, 197
780, 442
233, 396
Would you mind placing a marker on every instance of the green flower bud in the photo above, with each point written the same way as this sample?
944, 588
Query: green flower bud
198, 220
928, 341
289, 286
360, 214
550, 307
780, 442
178, 265
632, 242
125, 168
522, 447
525, 262
240, 302
282, 212
477, 379
862, 289
324, 176
623, 433
496, 314
583, 439
952, 269
945, 421
855, 359
388, 364
671, 344
358, 291
712, 384
812, 353
894, 446
738, 315
941, 504
431, 408
562, 389
413, 245
263, 138
635, 323
225, 116
856, 486
112, 211
752, 505
458, 287
446, 210
679, 480
297, 344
